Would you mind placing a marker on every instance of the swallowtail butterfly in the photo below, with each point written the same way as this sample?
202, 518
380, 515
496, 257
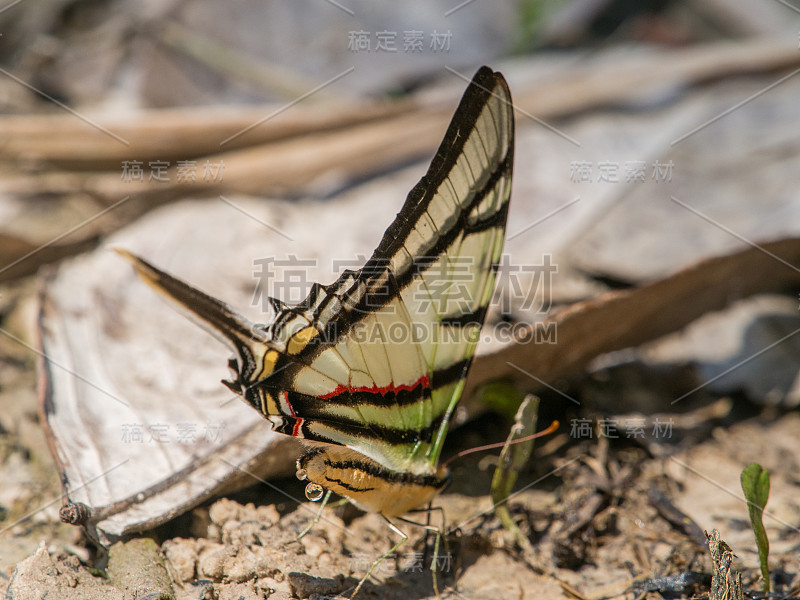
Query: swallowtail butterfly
367, 371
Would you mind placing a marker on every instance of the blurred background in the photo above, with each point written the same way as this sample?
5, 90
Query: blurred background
160, 100
117, 56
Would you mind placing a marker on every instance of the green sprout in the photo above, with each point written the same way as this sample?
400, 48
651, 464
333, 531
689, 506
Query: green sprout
513, 458
508, 400
755, 485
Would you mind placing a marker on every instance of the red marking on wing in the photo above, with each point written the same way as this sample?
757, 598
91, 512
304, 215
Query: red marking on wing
424, 381
298, 422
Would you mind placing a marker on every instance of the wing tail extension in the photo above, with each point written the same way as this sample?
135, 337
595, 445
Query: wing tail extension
244, 337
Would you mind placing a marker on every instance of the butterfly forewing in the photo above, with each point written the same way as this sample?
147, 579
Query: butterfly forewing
377, 360
407, 328
456, 219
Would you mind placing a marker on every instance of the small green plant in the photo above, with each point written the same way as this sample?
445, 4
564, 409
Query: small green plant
755, 485
513, 458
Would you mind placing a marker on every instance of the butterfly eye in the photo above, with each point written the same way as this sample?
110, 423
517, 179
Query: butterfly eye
302, 475
314, 491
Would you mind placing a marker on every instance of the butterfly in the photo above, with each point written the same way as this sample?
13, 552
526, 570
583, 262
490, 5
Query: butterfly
368, 371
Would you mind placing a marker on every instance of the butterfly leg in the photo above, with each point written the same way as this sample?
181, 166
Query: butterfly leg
439, 533
316, 518
435, 563
427, 525
403, 538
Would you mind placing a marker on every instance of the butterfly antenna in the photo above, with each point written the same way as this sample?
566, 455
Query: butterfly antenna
553, 426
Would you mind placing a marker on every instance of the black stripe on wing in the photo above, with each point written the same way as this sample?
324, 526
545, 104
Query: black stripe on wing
311, 429
446, 238
369, 289
450, 150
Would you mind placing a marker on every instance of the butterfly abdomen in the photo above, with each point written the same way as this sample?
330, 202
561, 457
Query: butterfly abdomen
368, 484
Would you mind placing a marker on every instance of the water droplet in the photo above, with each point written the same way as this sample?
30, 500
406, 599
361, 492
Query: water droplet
301, 474
314, 491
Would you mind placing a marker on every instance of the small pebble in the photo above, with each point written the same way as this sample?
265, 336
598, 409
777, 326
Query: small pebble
211, 561
304, 585
182, 557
